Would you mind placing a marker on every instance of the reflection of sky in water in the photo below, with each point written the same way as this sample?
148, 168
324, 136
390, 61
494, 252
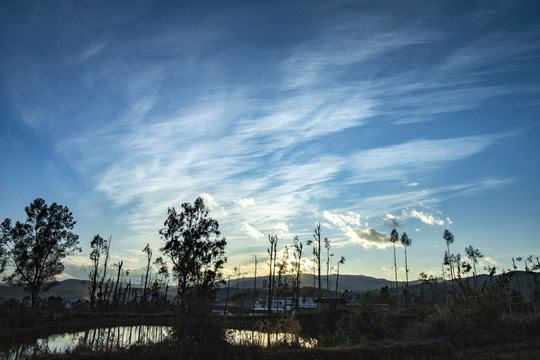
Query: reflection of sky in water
249, 337
109, 339
103, 339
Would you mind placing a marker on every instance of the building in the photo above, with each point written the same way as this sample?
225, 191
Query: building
284, 305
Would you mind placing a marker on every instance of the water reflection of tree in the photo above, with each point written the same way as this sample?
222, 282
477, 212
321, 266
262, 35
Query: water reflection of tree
99, 339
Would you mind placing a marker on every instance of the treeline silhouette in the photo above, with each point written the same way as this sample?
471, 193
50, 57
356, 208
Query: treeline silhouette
35, 249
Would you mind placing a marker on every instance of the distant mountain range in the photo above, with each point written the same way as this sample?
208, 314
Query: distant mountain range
346, 282
78, 289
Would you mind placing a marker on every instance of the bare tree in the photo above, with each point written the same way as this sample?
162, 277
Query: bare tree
115, 293
272, 252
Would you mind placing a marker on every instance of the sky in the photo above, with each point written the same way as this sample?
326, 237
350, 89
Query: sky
363, 116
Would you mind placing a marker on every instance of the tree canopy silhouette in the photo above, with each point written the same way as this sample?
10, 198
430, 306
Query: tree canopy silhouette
197, 253
35, 249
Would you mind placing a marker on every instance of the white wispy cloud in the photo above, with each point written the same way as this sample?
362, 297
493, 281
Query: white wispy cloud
209, 200
343, 221
416, 155
251, 231
425, 218
281, 228
245, 202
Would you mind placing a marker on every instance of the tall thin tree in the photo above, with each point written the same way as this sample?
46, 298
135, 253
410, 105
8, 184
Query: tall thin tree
272, 250
317, 254
394, 236
298, 251
254, 280
99, 246
449, 259
115, 293
148, 251
406, 242
101, 293
327, 246
340, 262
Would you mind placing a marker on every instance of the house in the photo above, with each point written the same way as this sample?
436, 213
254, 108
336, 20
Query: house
282, 305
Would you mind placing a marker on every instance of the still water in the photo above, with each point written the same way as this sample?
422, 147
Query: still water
100, 339
113, 338
250, 337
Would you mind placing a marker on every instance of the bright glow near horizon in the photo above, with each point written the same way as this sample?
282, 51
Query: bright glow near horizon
360, 115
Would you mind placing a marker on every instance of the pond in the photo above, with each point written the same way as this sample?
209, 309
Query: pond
113, 338
251, 337
100, 339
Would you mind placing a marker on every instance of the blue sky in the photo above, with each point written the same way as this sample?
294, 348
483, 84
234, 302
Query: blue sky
361, 115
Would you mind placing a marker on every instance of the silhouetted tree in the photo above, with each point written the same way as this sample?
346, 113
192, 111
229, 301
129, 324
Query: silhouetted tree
426, 280
317, 254
520, 293
3, 248
474, 255
282, 270
115, 293
102, 292
99, 246
38, 246
394, 238
298, 248
192, 244
327, 246
448, 258
406, 242
163, 273
272, 252
340, 262
254, 280
148, 251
